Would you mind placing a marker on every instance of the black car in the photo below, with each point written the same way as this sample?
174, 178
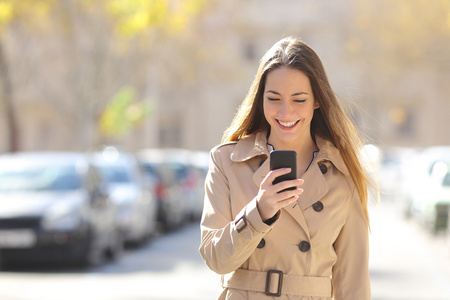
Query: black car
54, 208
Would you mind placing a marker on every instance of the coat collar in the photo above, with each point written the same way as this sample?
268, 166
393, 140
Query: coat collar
256, 145
327, 151
250, 147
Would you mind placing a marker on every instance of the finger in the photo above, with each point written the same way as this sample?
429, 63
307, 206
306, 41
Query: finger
270, 177
286, 202
288, 184
287, 194
280, 197
268, 206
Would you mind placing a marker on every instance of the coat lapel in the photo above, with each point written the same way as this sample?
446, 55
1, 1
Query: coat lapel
315, 187
297, 214
261, 172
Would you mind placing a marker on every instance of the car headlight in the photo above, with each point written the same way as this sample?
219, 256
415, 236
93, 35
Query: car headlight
61, 219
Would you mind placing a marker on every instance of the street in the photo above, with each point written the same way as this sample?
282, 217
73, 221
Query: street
407, 263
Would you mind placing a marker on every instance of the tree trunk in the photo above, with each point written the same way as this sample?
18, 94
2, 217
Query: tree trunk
7, 97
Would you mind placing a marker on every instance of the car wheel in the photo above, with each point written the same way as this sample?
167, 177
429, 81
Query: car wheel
116, 249
169, 221
90, 255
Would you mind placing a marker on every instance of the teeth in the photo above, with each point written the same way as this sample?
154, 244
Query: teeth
288, 124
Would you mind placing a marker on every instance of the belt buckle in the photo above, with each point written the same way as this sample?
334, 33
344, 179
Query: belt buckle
280, 282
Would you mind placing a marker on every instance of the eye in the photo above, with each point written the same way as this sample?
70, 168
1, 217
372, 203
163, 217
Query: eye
300, 101
272, 99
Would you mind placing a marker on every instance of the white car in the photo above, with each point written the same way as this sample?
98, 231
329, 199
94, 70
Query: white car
136, 204
429, 188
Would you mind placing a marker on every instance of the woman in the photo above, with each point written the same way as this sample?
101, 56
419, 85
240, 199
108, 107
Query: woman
307, 243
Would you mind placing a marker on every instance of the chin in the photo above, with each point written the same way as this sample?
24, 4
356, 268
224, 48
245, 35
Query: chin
287, 138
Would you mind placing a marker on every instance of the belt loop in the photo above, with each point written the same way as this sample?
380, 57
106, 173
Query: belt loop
280, 283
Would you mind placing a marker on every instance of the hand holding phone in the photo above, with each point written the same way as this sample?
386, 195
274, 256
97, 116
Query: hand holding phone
280, 187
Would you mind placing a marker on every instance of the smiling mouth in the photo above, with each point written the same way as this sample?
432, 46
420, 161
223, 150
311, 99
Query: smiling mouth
288, 124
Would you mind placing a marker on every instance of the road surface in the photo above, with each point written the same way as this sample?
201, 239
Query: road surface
407, 263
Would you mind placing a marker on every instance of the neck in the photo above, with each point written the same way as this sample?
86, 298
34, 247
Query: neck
302, 147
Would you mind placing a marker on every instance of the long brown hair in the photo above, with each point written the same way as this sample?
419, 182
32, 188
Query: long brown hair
329, 120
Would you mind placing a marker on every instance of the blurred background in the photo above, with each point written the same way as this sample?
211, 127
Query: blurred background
113, 105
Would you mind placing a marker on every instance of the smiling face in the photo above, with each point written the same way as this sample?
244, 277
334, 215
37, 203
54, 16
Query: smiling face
288, 107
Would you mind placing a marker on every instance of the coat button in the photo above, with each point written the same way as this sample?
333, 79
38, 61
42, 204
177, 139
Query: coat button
318, 206
323, 168
304, 246
261, 244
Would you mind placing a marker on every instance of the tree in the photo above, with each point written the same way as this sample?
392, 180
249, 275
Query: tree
6, 102
400, 45
27, 12
94, 36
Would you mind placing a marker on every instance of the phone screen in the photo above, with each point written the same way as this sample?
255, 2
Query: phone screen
284, 159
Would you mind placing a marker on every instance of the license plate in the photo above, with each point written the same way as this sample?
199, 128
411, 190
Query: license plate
17, 238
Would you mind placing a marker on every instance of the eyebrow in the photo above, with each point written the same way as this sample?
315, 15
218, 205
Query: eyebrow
295, 94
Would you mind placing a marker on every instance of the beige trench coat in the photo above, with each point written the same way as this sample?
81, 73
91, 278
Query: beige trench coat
316, 249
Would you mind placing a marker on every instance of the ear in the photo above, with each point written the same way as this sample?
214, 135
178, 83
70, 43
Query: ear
316, 104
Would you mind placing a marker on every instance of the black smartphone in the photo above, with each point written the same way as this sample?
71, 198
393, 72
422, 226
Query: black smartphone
284, 159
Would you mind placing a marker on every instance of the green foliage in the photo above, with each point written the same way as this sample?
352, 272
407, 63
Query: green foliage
123, 113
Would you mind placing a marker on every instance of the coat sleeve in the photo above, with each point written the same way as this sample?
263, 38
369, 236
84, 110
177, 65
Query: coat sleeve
351, 272
227, 241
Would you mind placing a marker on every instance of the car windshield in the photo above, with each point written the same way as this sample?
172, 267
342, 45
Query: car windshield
115, 174
149, 169
40, 178
181, 171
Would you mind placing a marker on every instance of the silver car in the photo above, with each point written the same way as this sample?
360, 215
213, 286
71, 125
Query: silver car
136, 203
161, 176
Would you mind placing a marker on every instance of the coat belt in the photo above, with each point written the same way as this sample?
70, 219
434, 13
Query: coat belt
276, 283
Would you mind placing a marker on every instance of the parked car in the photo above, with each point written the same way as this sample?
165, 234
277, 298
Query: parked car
429, 187
162, 179
199, 165
136, 204
189, 168
54, 208
394, 175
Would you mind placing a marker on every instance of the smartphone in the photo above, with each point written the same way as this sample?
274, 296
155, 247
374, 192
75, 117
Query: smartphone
284, 159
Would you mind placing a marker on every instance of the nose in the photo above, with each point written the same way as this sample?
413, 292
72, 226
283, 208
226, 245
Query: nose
285, 108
